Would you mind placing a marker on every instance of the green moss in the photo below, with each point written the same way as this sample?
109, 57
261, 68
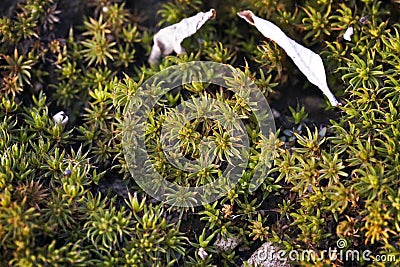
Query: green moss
64, 197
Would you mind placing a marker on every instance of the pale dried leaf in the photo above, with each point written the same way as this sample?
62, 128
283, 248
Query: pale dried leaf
169, 39
309, 63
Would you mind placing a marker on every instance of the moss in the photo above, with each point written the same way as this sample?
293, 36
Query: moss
67, 197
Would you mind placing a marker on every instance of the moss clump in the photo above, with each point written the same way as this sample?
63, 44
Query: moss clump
66, 195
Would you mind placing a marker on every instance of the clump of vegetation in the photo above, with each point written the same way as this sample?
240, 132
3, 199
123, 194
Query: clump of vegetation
66, 194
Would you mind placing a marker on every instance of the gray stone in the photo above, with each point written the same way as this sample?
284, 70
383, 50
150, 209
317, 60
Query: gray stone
268, 256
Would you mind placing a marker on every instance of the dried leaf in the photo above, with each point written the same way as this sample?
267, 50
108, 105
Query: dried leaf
309, 63
169, 39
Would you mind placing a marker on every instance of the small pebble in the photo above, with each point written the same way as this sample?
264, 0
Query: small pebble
365, 19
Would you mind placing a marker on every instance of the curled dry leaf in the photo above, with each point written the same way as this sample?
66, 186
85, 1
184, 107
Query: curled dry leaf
309, 63
169, 39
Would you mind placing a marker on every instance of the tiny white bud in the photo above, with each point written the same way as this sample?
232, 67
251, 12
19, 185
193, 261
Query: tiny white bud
60, 118
275, 113
105, 9
202, 253
349, 32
